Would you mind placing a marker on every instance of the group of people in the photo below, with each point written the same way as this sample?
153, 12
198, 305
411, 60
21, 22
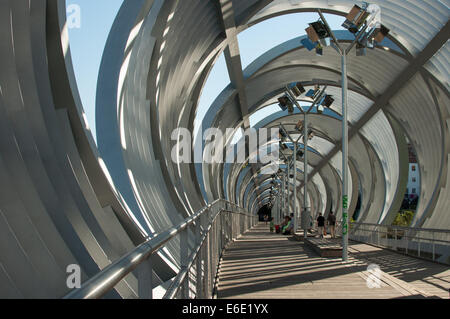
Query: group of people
287, 226
331, 224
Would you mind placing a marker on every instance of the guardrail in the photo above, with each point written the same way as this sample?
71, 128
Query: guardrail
419, 242
213, 227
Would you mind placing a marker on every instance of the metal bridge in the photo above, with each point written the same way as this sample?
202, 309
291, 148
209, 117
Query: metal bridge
139, 225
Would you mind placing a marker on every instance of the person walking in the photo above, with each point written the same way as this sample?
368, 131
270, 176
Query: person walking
332, 224
320, 224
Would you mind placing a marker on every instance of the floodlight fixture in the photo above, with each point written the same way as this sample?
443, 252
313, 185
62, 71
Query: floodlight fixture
312, 34
282, 102
298, 89
380, 34
365, 23
285, 103
310, 134
300, 154
320, 31
313, 93
318, 37
356, 19
299, 126
327, 101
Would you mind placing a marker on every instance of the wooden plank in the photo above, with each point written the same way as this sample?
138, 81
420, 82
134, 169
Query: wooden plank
261, 264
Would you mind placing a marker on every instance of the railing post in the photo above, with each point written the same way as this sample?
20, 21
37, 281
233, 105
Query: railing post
407, 241
216, 247
231, 220
418, 248
378, 237
240, 224
395, 239
433, 247
211, 260
198, 266
207, 265
222, 229
204, 293
206, 257
213, 242
145, 279
198, 263
184, 256
227, 228
233, 226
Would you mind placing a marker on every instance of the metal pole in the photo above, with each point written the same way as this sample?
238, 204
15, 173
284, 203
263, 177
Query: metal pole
305, 173
344, 160
280, 204
283, 207
287, 189
294, 193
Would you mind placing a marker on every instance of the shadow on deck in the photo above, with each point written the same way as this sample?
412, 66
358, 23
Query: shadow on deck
264, 265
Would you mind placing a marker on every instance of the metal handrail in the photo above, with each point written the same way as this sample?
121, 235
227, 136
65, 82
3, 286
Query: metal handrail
409, 239
174, 287
110, 276
404, 227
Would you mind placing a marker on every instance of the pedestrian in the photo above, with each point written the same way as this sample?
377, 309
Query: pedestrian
266, 218
288, 229
272, 225
332, 224
320, 224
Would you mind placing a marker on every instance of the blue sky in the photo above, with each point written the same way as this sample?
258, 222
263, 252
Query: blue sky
88, 41
87, 44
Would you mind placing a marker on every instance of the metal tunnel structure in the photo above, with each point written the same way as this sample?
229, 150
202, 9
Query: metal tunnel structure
64, 201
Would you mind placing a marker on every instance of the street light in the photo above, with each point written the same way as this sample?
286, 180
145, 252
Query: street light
285, 104
365, 23
318, 96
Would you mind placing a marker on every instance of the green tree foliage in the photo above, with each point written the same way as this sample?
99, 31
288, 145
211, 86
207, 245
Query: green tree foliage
404, 218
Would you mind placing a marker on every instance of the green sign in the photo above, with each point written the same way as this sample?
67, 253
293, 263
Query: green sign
345, 201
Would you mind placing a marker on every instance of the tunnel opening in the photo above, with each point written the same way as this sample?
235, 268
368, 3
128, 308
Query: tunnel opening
263, 211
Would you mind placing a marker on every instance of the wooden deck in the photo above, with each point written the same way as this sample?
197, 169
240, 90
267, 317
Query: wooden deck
261, 265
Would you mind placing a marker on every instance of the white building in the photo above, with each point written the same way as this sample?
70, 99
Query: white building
413, 187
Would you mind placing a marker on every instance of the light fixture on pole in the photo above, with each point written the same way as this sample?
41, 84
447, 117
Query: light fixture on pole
317, 96
365, 23
299, 126
285, 104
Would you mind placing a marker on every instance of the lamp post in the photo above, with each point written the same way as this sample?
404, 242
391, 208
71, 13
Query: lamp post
294, 195
318, 98
358, 22
286, 213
